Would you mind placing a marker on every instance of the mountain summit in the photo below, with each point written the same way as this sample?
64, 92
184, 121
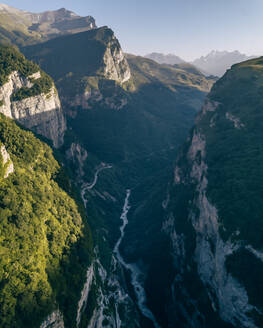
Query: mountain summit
22, 27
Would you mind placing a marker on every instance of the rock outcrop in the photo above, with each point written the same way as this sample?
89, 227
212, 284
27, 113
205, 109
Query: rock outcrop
115, 64
42, 113
54, 320
8, 165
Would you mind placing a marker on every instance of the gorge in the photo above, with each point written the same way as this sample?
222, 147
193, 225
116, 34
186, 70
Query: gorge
130, 191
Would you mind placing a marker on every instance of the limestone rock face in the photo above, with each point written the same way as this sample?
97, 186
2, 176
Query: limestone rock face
42, 114
116, 66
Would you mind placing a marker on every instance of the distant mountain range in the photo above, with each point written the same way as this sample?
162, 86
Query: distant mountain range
215, 63
169, 59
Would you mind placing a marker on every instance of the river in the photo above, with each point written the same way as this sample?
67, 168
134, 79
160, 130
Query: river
136, 274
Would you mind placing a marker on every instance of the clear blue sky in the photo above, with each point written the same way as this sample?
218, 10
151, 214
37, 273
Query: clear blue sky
188, 28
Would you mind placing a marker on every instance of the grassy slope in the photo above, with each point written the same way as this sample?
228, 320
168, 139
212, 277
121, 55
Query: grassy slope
14, 29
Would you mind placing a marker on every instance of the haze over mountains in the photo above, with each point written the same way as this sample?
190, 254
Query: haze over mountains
215, 63
130, 190
169, 59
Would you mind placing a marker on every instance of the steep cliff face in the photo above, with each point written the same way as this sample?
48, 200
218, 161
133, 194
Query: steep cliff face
115, 64
213, 215
31, 100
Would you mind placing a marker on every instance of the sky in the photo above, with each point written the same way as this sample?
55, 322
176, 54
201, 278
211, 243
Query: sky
187, 28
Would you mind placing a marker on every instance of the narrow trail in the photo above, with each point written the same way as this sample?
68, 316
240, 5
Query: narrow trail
88, 186
136, 275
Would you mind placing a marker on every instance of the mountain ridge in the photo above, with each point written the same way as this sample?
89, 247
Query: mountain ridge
20, 27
